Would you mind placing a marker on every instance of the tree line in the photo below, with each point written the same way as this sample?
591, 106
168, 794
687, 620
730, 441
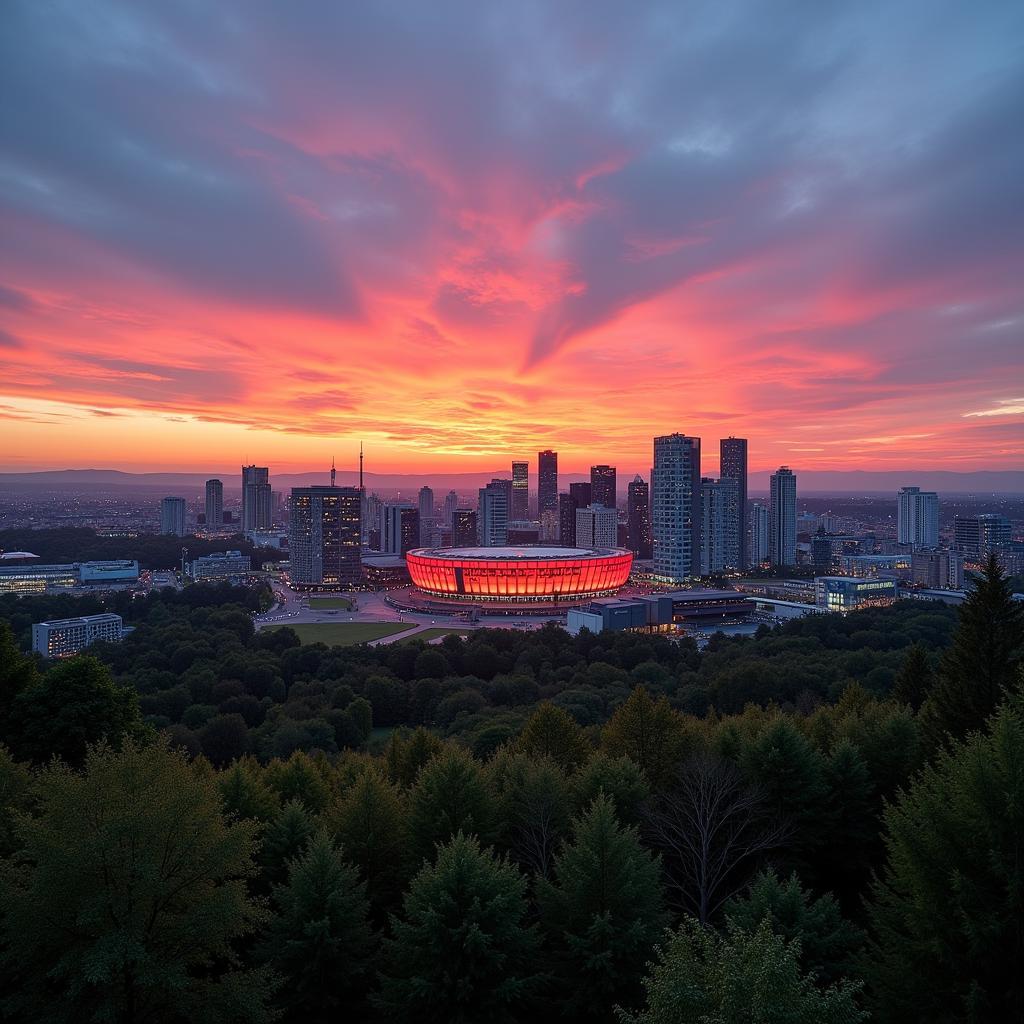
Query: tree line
853, 851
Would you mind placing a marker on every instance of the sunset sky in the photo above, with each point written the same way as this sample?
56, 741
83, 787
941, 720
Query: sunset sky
262, 231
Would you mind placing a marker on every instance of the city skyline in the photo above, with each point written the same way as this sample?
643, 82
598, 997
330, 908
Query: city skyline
257, 235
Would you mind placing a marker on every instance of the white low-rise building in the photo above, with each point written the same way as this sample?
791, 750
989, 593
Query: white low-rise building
61, 638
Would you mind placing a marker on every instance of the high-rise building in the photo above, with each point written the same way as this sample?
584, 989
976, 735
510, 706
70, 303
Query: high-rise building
256, 499
582, 493
493, 518
324, 531
172, 516
451, 503
760, 549
638, 517
373, 526
718, 545
979, 535
547, 482
733, 466
426, 517
602, 486
464, 531
917, 518
782, 517
596, 527
520, 491
821, 552
401, 528
938, 570
675, 522
567, 506
214, 503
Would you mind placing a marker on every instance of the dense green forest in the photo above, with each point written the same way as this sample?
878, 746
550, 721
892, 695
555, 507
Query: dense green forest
64, 545
820, 823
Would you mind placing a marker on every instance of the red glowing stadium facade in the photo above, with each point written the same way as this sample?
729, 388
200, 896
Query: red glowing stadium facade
519, 574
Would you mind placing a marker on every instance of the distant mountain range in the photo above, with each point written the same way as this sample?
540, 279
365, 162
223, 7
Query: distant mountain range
808, 482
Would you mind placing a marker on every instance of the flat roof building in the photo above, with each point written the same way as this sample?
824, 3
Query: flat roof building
220, 565
63, 638
847, 593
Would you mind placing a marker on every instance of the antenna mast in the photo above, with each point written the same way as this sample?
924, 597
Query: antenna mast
360, 465
333, 471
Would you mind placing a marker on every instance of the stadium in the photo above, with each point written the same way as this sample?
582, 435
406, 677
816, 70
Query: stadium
528, 575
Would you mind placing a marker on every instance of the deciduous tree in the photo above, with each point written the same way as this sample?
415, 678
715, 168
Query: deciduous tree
127, 896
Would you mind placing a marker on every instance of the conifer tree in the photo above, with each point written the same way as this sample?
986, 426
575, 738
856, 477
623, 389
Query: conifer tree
533, 807
245, 794
981, 665
320, 942
829, 942
790, 776
369, 823
650, 732
450, 796
602, 913
845, 857
461, 952
946, 913
285, 838
915, 678
407, 753
552, 732
619, 778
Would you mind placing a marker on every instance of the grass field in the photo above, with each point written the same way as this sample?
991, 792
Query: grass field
323, 603
434, 633
345, 634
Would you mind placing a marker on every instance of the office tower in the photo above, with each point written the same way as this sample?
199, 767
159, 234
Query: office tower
759, 548
214, 503
172, 516
638, 517
675, 522
492, 518
733, 466
401, 531
451, 503
567, 506
547, 482
821, 552
938, 570
979, 535
602, 486
782, 517
917, 517
373, 530
718, 545
596, 527
520, 491
324, 532
426, 517
256, 501
568, 503
464, 533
